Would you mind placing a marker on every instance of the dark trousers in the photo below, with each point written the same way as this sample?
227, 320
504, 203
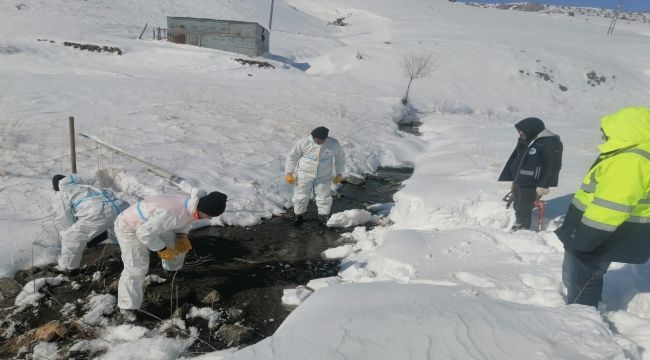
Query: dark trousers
524, 202
583, 279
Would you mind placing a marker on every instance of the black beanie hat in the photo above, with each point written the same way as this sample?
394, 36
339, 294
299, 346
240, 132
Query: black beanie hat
213, 204
320, 132
55, 181
530, 126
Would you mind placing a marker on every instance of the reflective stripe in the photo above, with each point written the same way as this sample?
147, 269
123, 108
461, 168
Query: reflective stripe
578, 204
137, 207
612, 205
591, 187
598, 225
639, 219
645, 201
641, 152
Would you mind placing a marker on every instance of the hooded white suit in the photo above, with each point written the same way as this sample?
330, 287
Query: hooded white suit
85, 211
315, 165
149, 225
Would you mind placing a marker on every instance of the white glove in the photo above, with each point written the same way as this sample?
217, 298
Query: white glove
541, 191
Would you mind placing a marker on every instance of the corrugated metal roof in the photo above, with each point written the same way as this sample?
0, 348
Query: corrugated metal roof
211, 20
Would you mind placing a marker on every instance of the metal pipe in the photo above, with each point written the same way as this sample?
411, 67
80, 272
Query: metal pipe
172, 178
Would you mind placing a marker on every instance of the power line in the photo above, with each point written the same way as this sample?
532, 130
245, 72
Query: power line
610, 31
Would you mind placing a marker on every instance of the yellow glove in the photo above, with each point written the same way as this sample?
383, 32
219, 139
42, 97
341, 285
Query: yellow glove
167, 254
289, 179
338, 179
183, 244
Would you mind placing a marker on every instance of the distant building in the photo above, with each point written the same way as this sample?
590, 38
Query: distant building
236, 36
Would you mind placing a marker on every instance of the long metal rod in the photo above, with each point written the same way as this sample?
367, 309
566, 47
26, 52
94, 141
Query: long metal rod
171, 177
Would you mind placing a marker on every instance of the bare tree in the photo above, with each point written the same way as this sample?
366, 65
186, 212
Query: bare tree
417, 67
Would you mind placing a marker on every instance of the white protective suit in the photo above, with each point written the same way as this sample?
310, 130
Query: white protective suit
315, 165
85, 212
149, 225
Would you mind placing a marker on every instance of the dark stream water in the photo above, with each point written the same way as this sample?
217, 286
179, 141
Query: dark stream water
251, 266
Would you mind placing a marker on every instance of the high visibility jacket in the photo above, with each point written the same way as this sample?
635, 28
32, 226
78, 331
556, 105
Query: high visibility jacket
609, 216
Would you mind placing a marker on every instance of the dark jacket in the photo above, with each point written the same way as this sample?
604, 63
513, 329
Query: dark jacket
535, 162
628, 244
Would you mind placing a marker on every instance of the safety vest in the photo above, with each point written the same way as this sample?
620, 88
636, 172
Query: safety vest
609, 216
616, 189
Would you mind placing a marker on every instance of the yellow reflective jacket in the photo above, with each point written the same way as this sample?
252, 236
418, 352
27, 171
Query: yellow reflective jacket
609, 217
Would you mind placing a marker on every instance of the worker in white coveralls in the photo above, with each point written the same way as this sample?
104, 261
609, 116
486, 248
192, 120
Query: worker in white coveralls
159, 223
310, 166
87, 214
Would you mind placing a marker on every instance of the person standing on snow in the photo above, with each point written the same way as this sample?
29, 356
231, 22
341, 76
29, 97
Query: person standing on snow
533, 167
158, 223
609, 217
87, 213
314, 160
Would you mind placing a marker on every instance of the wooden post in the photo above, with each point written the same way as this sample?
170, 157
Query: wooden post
73, 152
145, 28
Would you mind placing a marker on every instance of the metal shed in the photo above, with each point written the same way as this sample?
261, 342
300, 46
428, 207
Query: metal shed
242, 37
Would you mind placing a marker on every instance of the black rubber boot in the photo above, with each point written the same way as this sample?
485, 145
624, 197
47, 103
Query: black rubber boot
297, 220
517, 227
322, 222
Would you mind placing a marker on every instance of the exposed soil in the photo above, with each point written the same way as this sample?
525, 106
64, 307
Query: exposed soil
239, 272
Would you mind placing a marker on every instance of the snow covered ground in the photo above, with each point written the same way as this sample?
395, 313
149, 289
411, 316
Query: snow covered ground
446, 279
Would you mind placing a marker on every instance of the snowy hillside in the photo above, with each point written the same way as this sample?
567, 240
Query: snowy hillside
226, 126
626, 16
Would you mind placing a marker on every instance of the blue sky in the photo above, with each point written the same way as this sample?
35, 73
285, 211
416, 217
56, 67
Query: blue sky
628, 5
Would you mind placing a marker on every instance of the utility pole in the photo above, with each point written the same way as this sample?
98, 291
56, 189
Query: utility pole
610, 31
271, 16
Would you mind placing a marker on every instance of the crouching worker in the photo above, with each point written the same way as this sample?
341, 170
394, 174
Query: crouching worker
153, 225
87, 213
